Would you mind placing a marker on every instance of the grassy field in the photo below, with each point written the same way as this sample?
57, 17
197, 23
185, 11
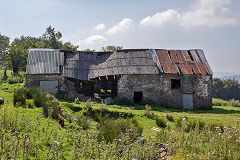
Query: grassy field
46, 139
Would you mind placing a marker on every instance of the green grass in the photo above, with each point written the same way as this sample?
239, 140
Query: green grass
31, 120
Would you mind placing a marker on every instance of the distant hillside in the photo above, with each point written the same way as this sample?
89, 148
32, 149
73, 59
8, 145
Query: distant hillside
227, 75
236, 77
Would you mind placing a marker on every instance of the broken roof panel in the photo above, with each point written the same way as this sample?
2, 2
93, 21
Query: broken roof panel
82, 65
166, 62
204, 61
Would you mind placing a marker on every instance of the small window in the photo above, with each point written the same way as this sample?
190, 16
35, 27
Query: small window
60, 68
137, 97
175, 84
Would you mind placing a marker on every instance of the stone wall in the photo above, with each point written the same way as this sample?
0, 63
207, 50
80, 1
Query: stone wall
158, 89
33, 80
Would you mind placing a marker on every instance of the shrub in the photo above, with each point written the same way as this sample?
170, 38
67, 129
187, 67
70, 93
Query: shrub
219, 102
30, 105
110, 129
39, 98
77, 101
83, 122
121, 101
51, 107
63, 95
148, 112
19, 97
194, 124
161, 122
98, 113
15, 79
178, 123
31, 92
170, 118
234, 103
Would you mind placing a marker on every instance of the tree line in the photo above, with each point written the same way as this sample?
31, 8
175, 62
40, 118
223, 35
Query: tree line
13, 55
226, 89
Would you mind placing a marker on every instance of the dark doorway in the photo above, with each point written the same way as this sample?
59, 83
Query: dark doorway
137, 97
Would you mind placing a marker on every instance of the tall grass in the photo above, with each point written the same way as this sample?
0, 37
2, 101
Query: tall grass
195, 140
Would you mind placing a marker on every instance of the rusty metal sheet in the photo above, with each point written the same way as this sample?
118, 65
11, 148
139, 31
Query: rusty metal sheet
204, 61
186, 56
166, 62
198, 63
194, 68
185, 67
174, 56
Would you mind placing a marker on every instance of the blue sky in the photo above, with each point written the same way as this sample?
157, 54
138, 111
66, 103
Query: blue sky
211, 25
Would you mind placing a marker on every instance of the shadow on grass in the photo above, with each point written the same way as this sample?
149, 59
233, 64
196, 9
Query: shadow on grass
215, 110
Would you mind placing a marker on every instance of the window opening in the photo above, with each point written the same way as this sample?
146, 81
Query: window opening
175, 84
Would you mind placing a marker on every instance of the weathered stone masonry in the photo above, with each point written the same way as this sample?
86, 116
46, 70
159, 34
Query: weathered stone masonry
33, 80
158, 89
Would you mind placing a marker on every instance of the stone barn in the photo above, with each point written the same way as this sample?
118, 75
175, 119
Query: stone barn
176, 78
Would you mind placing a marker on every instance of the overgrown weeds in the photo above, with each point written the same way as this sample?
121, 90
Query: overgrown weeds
110, 129
149, 113
170, 118
161, 122
15, 79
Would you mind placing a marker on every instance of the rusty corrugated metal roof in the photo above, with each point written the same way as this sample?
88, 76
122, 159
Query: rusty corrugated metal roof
182, 61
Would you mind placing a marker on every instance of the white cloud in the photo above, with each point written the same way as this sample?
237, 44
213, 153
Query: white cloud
92, 41
121, 27
160, 18
100, 26
209, 13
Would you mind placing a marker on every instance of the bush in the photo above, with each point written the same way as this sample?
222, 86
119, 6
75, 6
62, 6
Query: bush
63, 95
15, 79
118, 129
148, 112
170, 118
121, 101
39, 98
51, 107
219, 102
77, 101
194, 124
19, 97
161, 122
234, 103
83, 122
97, 113
31, 92
178, 123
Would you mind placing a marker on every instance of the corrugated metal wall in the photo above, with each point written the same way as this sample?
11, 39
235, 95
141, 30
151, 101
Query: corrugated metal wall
44, 61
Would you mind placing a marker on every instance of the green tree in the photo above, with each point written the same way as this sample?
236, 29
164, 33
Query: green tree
226, 89
51, 39
111, 48
15, 55
4, 48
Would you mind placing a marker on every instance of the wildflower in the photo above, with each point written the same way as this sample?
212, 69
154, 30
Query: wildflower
55, 143
237, 121
184, 120
117, 140
156, 129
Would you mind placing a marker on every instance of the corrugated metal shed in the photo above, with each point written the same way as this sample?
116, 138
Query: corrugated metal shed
44, 61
